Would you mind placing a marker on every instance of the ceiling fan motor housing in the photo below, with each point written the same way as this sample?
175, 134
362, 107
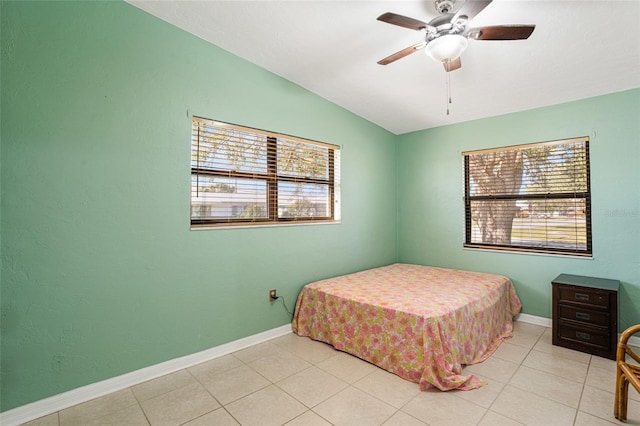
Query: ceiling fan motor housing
443, 25
444, 6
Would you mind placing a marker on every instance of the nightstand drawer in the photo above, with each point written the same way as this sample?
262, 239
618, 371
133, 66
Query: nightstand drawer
584, 296
584, 315
594, 336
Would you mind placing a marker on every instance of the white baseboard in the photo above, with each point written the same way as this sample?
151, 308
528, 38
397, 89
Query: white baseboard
532, 319
77, 396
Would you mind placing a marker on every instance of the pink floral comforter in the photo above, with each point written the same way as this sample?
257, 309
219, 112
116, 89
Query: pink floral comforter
419, 322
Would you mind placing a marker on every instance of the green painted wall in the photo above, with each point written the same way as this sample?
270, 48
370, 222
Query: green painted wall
100, 272
431, 191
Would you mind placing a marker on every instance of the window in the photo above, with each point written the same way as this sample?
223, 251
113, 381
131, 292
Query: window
243, 176
533, 198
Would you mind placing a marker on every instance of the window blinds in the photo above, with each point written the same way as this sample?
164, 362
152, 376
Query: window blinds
532, 197
247, 176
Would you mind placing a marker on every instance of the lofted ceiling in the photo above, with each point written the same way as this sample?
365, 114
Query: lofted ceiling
579, 49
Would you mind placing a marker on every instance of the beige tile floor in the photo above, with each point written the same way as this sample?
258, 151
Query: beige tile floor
296, 381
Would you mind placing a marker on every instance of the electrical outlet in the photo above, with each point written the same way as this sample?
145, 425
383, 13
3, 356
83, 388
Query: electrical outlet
272, 295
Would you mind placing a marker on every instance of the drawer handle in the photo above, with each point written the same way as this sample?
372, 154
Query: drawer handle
583, 316
582, 297
582, 335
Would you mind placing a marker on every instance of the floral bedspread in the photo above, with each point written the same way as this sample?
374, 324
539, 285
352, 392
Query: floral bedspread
419, 322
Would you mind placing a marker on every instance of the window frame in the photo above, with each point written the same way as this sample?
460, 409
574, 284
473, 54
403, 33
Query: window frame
548, 248
272, 177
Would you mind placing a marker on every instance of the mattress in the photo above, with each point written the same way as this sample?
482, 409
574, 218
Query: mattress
421, 323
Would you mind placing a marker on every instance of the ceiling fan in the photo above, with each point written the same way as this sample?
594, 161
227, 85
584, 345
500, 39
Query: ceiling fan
447, 34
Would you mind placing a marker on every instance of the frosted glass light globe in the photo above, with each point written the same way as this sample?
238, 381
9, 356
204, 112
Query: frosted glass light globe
448, 46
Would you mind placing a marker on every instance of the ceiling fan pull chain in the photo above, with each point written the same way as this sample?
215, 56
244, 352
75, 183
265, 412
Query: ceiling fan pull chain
449, 85
448, 61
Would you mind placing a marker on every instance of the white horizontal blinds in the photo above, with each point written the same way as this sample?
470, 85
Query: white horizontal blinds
228, 174
534, 197
305, 180
243, 176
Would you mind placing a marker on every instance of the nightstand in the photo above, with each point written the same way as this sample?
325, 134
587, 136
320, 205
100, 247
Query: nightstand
585, 314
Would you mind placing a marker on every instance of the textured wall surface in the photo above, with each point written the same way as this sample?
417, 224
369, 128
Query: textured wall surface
101, 273
431, 226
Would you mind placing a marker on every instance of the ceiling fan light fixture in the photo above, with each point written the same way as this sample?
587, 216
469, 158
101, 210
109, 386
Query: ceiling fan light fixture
446, 47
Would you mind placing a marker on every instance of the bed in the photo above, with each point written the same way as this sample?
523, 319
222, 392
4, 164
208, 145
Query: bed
421, 323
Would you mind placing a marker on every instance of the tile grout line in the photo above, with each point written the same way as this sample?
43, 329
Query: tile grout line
274, 383
349, 385
584, 385
212, 396
144, 413
539, 345
520, 365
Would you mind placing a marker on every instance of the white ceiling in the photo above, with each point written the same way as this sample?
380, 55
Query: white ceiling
579, 49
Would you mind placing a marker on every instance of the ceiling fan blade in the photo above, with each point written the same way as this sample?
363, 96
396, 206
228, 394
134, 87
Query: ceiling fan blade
401, 54
452, 64
403, 21
471, 8
501, 32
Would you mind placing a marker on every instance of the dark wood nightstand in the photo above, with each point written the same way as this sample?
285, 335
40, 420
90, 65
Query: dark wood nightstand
585, 314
